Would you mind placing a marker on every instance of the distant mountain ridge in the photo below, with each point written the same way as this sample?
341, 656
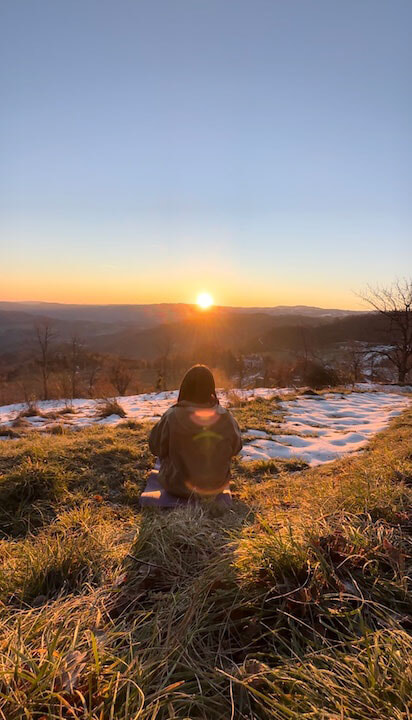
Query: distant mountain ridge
150, 315
301, 310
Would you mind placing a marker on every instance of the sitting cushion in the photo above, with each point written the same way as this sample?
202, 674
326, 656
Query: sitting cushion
155, 495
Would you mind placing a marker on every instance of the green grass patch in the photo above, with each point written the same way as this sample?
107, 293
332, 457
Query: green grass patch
258, 414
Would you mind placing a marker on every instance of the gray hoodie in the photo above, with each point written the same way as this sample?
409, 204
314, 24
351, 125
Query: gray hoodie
195, 444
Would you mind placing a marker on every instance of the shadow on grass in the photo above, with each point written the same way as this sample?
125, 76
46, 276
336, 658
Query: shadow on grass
176, 547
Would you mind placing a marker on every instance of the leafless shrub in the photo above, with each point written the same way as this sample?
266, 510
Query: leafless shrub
31, 410
68, 409
109, 406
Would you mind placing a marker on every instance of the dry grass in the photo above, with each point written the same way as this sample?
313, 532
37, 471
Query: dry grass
30, 410
8, 432
235, 400
109, 406
295, 603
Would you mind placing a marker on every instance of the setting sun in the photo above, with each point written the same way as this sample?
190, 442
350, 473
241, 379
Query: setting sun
204, 300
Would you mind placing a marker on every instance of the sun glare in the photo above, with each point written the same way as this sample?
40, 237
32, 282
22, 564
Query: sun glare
204, 300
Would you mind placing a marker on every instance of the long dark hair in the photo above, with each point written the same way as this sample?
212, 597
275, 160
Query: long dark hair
198, 386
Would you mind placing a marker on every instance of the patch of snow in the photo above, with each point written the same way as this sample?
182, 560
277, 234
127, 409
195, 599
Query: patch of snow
386, 387
255, 433
110, 420
341, 427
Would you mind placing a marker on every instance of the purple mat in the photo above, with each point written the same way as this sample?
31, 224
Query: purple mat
156, 496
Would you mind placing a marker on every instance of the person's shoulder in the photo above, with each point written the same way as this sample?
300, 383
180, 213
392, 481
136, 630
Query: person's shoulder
168, 413
224, 412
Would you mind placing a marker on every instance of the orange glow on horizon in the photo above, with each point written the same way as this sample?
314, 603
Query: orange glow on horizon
229, 288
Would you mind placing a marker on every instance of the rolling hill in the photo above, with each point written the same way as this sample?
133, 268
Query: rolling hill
146, 330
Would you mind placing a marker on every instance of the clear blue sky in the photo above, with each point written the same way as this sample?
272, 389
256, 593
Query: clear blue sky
260, 150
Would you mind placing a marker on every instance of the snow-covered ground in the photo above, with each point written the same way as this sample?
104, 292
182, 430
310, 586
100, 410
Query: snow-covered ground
316, 428
328, 426
148, 406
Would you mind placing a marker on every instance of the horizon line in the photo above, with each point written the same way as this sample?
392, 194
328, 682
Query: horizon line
190, 304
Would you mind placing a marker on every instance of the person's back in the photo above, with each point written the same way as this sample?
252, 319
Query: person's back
195, 439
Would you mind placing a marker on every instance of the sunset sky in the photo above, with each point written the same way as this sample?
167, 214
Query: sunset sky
153, 149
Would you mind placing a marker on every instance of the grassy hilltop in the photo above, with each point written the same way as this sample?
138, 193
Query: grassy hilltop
295, 603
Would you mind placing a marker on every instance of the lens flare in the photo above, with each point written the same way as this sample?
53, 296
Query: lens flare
204, 417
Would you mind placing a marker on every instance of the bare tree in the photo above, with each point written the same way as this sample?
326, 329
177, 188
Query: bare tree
93, 370
267, 370
355, 359
395, 303
305, 347
74, 360
120, 376
241, 370
164, 345
44, 335
159, 382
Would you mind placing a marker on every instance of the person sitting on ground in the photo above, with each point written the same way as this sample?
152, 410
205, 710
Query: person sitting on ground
195, 439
